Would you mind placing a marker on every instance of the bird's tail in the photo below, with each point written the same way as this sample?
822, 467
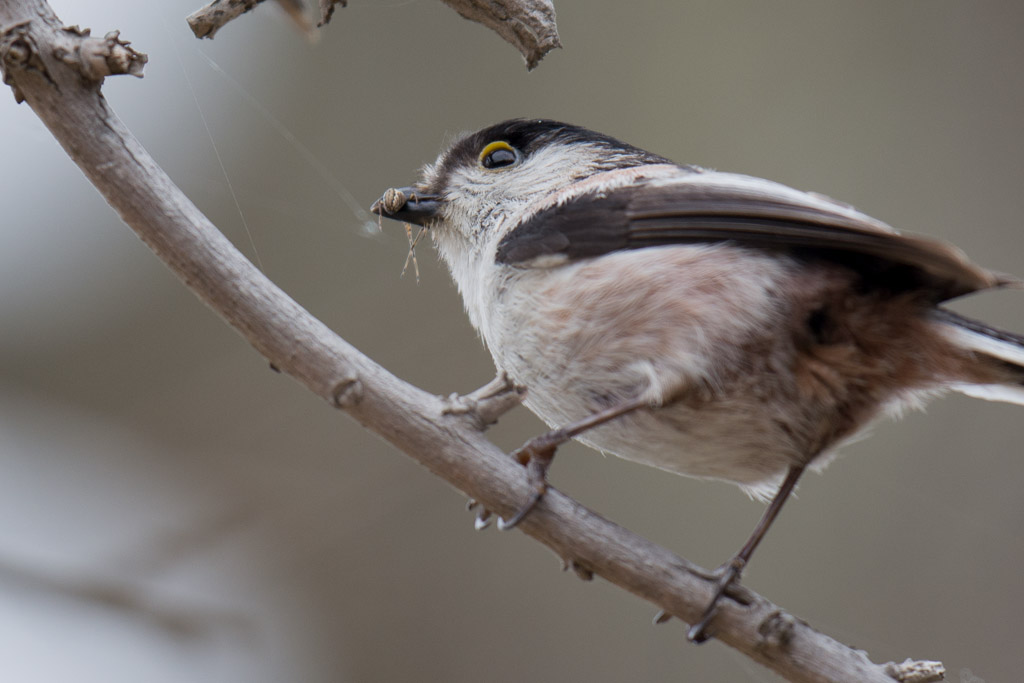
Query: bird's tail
998, 356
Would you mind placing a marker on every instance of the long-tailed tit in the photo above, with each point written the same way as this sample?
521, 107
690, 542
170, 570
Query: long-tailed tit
711, 324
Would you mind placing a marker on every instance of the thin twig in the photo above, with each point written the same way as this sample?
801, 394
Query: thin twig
207, 20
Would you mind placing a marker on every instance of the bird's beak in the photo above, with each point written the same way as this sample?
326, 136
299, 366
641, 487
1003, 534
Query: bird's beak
408, 205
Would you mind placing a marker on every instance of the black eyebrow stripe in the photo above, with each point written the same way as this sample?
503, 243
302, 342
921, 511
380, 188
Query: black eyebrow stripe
528, 135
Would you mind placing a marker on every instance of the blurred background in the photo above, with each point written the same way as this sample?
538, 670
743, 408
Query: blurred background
170, 509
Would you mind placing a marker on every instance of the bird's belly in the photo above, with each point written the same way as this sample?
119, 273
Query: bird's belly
740, 440
689, 328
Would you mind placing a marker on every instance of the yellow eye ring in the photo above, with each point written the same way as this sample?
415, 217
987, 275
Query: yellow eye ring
498, 154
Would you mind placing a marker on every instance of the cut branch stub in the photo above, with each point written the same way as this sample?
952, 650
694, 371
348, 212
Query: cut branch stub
97, 58
93, 58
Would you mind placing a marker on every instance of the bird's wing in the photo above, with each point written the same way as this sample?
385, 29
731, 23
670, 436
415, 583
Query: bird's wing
714, 207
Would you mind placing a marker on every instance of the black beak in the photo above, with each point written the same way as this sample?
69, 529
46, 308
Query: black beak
408, 205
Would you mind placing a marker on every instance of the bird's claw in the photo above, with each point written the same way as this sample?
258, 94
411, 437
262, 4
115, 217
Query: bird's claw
483, 515
511, 522
536, 456
727, 575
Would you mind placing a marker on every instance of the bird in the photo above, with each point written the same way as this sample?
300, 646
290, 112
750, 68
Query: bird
711, 324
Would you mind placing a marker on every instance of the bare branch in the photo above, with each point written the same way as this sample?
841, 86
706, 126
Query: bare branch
917, 672
94, 58
528, 24
326, 8
206, 21
177, 617
445, 435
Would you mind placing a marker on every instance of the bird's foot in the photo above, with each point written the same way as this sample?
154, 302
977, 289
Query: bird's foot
536, 456
726, 576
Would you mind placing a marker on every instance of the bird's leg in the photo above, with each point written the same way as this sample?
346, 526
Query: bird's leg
729, 573
537, 453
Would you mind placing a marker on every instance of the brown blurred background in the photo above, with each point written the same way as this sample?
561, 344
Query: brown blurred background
172, 510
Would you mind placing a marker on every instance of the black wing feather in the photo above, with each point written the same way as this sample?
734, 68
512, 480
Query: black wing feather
639, 216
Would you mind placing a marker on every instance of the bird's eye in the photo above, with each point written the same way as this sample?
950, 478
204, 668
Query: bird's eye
498, 155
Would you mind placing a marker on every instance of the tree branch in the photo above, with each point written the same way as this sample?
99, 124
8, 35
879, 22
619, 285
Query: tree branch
529, 25
207, 20
445, 435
